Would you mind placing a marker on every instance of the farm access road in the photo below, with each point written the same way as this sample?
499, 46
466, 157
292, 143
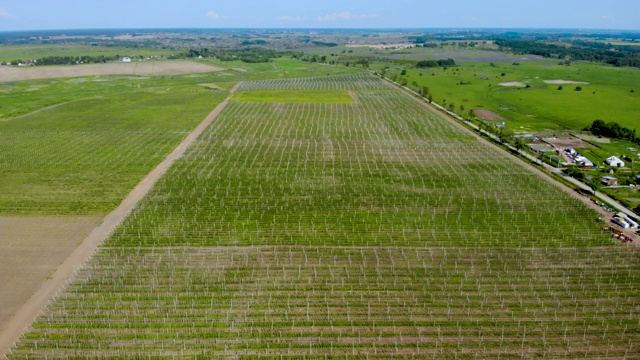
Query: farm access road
65, 273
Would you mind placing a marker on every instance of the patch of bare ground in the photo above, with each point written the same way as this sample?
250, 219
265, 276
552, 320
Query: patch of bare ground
564, 82
568, 142
489, 115
146, 68
593, 138
211, 86
31, 248
513, 84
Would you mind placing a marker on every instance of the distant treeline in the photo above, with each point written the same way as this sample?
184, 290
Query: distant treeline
69, 60
75, 60
247, 54
324, 44
617, 55
613, 130
435, 63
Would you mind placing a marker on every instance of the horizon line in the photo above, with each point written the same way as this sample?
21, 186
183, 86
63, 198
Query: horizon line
326, 29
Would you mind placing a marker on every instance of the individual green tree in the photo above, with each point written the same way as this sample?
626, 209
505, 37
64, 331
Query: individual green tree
505, 135
574, 172
520, 144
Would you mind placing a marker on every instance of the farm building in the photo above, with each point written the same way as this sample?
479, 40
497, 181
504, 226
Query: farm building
614, 161
608, 180
582, 161
626, 219
126, 59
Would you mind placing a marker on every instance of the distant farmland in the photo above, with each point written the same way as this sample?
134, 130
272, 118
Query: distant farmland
145, 68
377, 228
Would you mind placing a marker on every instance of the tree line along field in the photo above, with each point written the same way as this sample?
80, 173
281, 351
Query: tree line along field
372, 229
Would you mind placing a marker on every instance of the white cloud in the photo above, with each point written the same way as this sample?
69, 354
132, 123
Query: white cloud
4, 13
213, 15
346, 16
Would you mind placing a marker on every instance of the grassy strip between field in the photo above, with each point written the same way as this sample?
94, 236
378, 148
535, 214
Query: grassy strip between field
295, 96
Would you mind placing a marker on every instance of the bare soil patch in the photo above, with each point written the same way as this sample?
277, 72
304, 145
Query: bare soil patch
564, 82
489, 115
30, 250
594, 138
513, 84
568, 142
382, 46
146, 68
212, 86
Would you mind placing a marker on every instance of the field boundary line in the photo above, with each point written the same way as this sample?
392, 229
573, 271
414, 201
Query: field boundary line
20, 322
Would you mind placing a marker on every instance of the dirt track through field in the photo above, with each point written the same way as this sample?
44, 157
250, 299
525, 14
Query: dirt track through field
65, 273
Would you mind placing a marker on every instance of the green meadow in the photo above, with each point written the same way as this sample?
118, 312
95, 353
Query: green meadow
611, 93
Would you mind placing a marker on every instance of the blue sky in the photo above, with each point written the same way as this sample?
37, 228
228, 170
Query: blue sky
75, 14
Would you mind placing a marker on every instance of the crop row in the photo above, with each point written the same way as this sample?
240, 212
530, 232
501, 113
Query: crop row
319, 174
301, 301
374, 229
339, 82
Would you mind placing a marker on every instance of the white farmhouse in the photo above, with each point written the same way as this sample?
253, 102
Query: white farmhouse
126, 59
614, 161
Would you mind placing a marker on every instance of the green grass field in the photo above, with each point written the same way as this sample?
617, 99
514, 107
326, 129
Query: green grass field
372, 229
611, 93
